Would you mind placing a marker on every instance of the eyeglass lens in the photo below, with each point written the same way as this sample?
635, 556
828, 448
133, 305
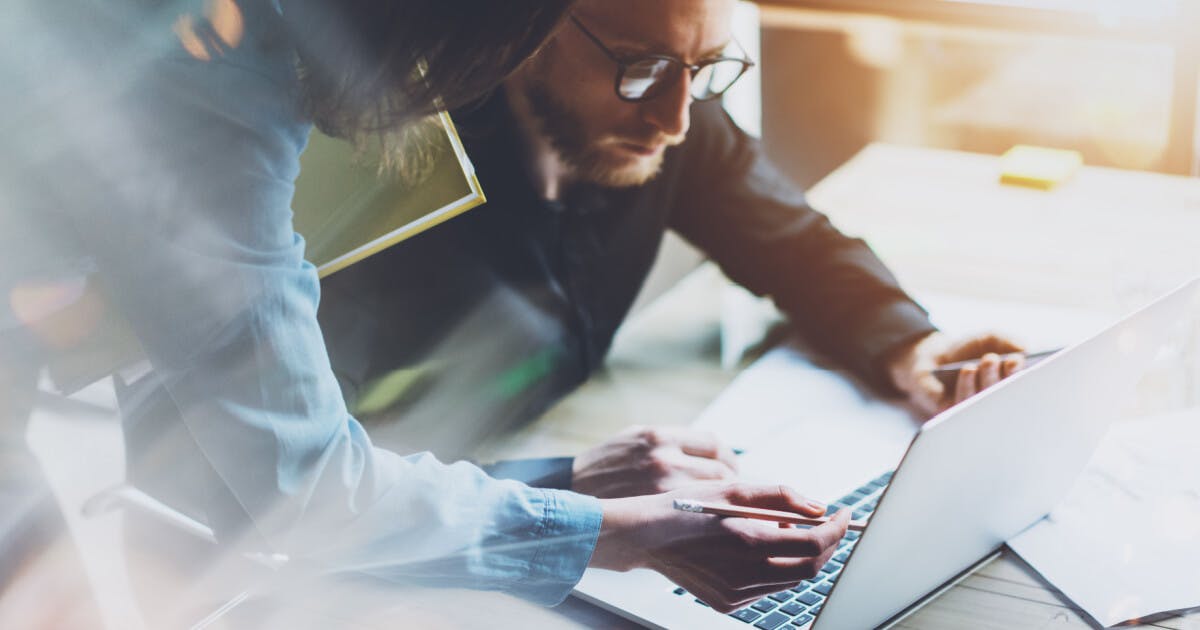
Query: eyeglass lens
646, 78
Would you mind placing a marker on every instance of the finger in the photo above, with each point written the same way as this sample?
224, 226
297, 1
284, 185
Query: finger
929, 394
978, 346
705, 592
704, 444
832, 532
989, 370
808, 568
748, 596
727, 588
793, 569
732, 600
930, 386
700, 468
804, 543
965, 387
1003, 345
1012, 365
773, 498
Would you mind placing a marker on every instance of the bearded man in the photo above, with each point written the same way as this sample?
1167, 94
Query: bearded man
612, 134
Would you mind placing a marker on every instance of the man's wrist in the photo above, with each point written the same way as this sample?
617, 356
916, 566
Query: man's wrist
616, 549
901, 362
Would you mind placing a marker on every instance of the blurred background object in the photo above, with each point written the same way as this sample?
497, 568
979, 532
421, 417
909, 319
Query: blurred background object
1113, 79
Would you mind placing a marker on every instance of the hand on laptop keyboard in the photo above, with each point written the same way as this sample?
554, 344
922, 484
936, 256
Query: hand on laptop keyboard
727, 562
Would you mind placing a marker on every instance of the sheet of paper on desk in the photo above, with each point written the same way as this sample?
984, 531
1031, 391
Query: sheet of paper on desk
1125, 543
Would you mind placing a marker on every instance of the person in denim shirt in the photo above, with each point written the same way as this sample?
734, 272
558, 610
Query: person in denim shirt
152, 151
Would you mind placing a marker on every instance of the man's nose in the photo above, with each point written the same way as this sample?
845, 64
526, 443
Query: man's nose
670, 110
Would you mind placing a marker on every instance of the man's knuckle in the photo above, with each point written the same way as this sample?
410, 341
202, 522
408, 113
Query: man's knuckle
809, 569
751, 541
807, 545
723, 607
657, 463
650, 436
737, 490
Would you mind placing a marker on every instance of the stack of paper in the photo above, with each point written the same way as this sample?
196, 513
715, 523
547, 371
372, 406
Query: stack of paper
1125, 543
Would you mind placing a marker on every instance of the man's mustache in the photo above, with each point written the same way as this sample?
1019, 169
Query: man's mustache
644, 141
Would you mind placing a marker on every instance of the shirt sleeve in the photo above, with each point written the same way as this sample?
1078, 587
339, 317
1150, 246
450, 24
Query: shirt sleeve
184, 196
757, 225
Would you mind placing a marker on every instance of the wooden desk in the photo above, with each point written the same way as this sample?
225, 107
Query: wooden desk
664, 367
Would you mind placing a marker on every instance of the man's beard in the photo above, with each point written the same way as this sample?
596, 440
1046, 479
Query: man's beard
586, 159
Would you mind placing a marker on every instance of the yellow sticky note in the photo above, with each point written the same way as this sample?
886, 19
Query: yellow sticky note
1038, 167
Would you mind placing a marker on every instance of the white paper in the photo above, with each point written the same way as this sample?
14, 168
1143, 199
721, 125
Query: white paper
1125, 543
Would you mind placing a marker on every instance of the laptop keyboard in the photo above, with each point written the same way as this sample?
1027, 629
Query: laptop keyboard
797, 607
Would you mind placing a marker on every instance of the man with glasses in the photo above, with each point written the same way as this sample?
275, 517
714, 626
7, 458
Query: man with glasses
612, 134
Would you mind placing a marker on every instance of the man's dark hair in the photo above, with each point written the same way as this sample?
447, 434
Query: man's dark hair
372, 66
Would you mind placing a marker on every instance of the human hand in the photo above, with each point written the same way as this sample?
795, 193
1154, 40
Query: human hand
646, 460
726, 562
912, 368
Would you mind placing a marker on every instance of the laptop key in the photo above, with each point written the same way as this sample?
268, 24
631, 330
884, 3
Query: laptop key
824, 588
841, 556
860, 514
792, 608
782, 596
772, 621
679, 591
809, 598
852, 535
745, 615
800, 621
701, 602
764, 605
830, 567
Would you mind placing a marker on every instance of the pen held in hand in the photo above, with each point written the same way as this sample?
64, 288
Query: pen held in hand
720, 509
947, 373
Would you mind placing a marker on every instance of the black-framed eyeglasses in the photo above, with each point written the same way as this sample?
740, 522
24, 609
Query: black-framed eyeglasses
644, 77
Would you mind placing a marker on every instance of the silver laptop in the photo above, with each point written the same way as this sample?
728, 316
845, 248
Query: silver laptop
963, 483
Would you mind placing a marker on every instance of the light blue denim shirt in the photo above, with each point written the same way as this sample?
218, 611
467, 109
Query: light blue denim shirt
173, 177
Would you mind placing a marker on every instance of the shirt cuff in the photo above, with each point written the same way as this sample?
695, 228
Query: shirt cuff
567, 534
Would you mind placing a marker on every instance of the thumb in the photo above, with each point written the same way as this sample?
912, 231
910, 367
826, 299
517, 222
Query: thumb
929, 386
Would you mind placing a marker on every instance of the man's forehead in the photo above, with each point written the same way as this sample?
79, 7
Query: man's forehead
679, 27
